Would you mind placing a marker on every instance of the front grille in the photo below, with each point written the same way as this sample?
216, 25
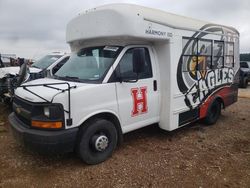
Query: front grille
23, 103
23, 119
22, 110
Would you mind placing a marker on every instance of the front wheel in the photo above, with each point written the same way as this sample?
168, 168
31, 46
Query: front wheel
213, 113
98, 140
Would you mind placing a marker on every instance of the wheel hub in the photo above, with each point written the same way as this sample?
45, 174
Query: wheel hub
101, 143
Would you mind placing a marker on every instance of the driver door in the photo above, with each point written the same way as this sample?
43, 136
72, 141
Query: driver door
137, 93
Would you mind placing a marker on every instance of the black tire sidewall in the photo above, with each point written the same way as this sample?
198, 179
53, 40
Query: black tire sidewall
244, 82
212, 117
86, 151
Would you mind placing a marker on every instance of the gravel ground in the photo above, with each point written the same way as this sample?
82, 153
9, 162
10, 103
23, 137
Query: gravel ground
193, 156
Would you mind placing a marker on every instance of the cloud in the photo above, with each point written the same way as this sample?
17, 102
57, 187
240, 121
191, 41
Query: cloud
32, 25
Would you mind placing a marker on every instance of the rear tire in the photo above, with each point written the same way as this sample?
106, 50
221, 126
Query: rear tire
98, 139
244, 82
213, 113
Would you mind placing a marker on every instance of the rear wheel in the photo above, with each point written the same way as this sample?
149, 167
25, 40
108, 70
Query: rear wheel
244, 82
98, 141
213, 113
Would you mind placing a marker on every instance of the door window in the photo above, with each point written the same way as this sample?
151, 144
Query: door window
125, 67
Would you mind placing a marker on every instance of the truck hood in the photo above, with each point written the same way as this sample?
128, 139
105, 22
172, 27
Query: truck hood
43, 91
15, 70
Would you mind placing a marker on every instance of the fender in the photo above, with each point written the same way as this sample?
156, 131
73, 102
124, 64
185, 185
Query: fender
205, 107
95, 114
105, 114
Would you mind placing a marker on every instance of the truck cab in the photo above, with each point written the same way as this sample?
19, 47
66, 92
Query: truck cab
115, 75
129, 67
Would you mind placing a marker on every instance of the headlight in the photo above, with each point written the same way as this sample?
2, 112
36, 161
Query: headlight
46, 111
53, 112
48, 116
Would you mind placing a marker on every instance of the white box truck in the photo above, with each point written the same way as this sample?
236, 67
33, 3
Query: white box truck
130, 67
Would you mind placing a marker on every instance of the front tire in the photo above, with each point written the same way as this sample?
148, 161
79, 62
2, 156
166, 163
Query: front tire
213, 113
98, 139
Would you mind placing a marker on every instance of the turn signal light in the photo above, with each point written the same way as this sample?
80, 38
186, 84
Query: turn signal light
47, 125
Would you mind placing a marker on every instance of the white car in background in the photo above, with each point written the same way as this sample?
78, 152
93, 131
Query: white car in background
47, 65
11, 77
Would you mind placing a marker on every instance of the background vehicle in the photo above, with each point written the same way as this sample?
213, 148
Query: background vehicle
244, 73
11, 77
155, 67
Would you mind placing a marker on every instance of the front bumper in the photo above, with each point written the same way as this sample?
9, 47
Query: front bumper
43, 141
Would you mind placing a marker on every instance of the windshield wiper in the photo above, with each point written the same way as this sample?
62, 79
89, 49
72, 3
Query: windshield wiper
68, 78
72, 77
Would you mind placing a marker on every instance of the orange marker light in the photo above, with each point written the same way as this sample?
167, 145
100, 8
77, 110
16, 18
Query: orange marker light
47, 125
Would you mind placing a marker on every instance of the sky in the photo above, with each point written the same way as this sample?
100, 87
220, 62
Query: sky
32, 28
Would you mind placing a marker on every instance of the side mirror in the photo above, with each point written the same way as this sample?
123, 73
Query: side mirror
138, 60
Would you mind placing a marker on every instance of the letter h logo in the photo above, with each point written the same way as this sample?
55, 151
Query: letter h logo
139, 96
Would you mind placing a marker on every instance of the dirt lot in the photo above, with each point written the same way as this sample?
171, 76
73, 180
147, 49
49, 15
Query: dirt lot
194, 156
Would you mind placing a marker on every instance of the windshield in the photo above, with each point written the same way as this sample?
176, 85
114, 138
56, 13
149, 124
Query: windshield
89, 64
46, 61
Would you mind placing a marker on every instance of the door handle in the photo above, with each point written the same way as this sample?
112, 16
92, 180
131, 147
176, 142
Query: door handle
155, 85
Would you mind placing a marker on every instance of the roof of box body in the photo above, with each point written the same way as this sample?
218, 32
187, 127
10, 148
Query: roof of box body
127, 20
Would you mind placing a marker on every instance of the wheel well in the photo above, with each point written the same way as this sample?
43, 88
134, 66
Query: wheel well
112, 118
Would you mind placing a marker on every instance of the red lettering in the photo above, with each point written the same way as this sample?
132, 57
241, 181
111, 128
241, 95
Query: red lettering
139, 96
